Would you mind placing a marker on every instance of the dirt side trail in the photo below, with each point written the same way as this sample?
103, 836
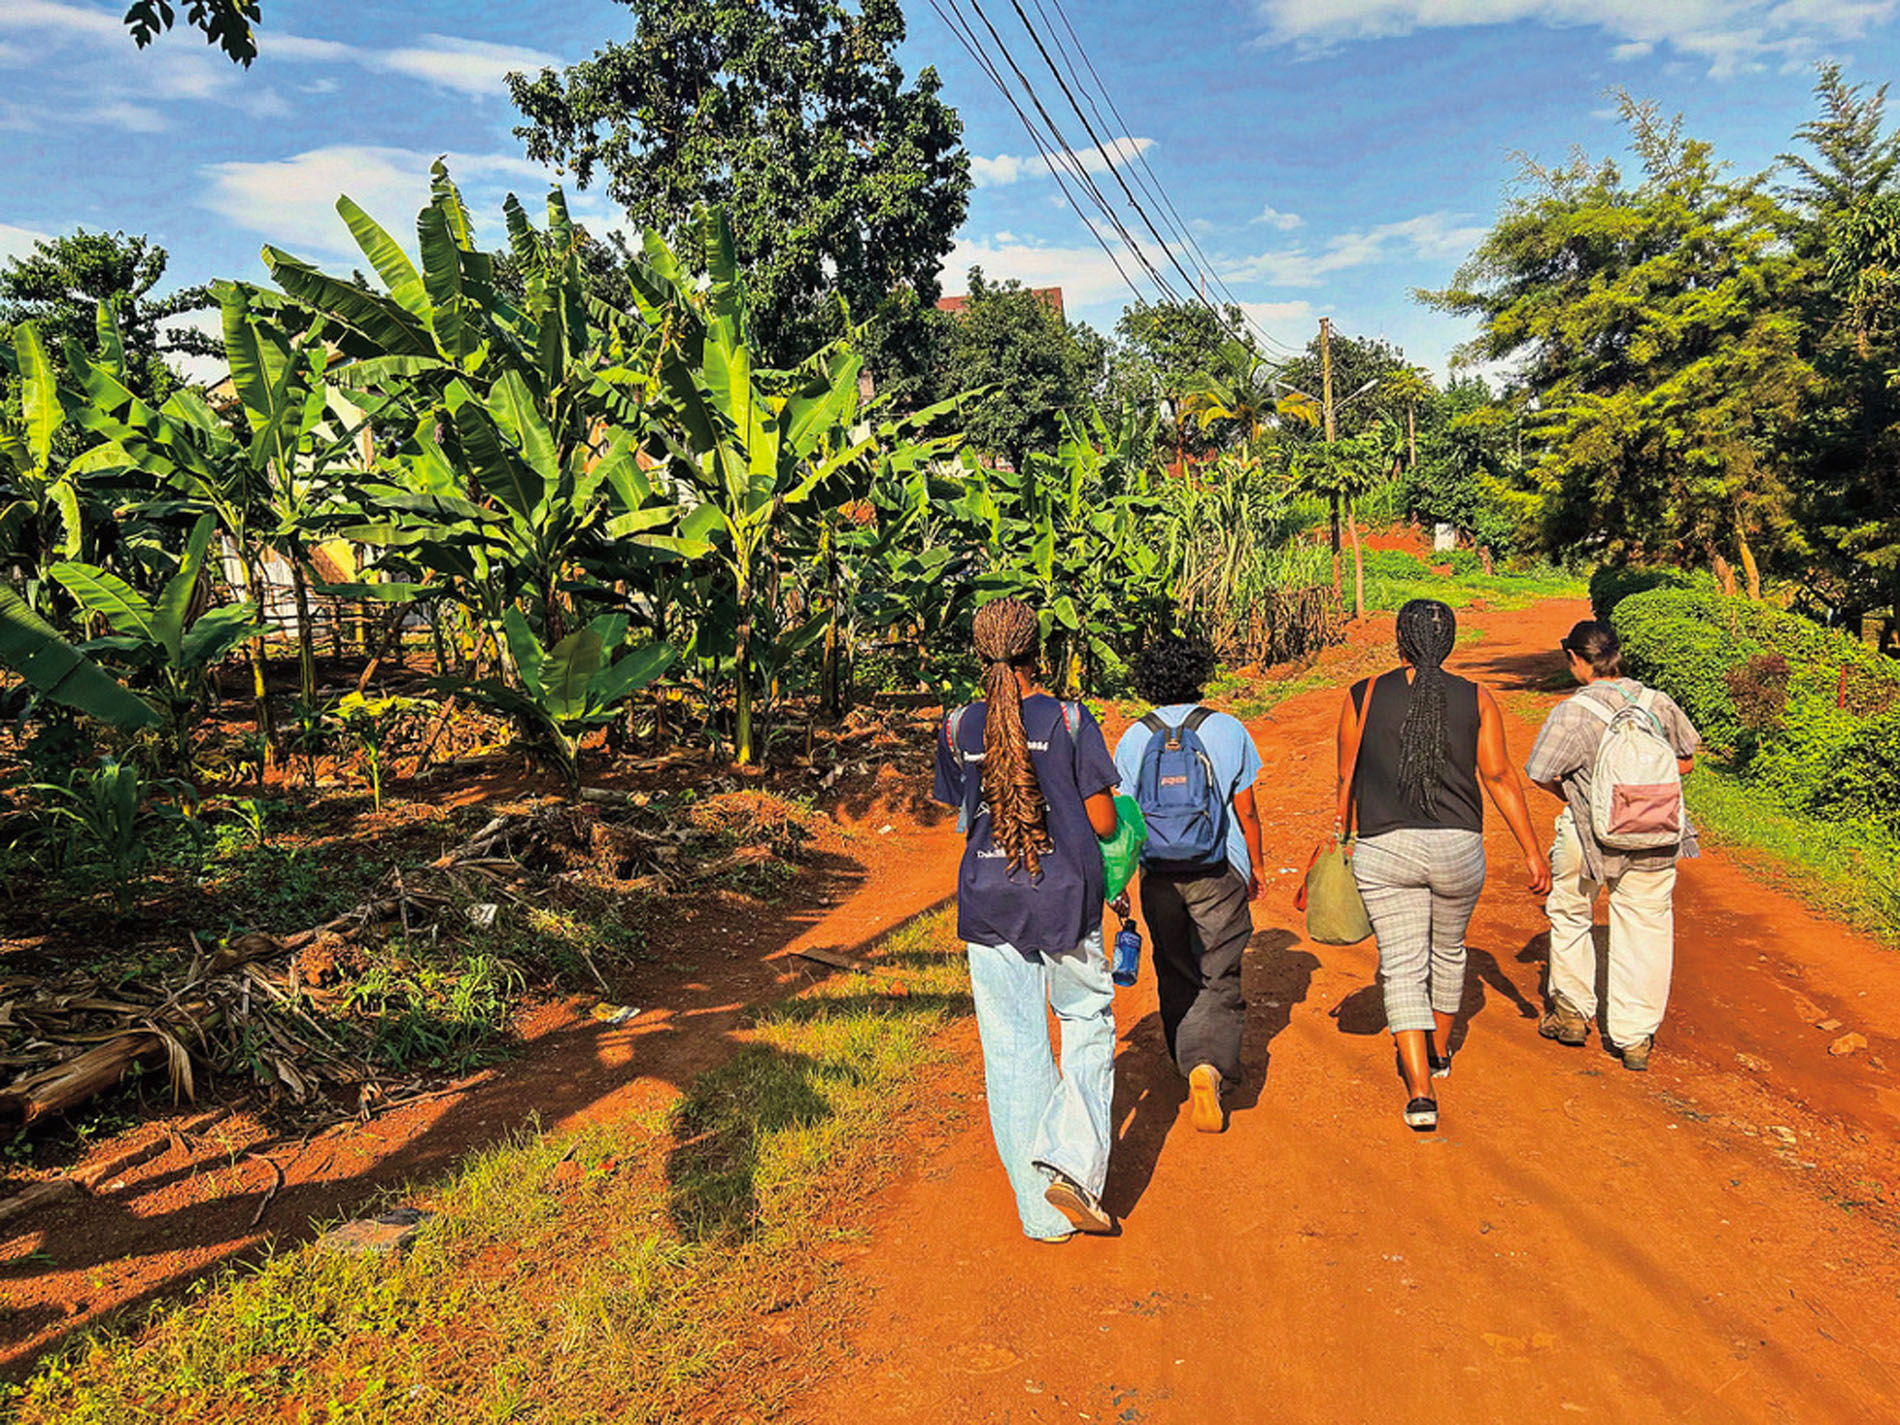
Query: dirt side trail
1715, 1240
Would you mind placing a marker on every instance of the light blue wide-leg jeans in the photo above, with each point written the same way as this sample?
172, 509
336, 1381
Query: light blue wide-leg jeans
1041, 1118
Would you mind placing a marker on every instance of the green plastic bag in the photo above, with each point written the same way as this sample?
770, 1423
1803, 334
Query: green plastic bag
1121, 852
1335, 913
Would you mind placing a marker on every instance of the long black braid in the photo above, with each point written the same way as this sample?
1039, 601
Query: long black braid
1427, 631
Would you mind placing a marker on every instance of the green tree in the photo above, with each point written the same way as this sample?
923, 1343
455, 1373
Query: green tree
1029, 364
1650, 321
1160, 348
839, 179
59, 285
1851, 156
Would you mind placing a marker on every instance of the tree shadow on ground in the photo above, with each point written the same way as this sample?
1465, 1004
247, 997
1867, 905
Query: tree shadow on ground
1149, 1089
1517, 672
728, 1116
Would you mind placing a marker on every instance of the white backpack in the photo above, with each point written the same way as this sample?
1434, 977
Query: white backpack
1636, 784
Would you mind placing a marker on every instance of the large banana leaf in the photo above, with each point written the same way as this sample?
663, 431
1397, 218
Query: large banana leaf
55, 669
217, 633
385, 324
629, 675
525, 649
569, 668
392, 264
174, 601
518, 417
98, 591
39, 394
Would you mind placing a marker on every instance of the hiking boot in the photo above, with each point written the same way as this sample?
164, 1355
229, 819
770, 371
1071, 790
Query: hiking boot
1564, 1023
1077, 1203
1204, 1095
1636, 1056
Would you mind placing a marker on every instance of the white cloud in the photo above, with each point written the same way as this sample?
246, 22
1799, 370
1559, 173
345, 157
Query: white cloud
1007, 168
17, 241
292, 201
1729, 36
1274, 218
47, 19
1086, 275
1279, 318
1428, 236
122, 114
467, 66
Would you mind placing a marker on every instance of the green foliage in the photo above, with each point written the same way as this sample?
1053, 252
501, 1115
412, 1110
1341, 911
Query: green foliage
62, 282
110, 819
164, 643
840, 180
1610, 584
1649, 320
1808, 714
226, 23
1028, 364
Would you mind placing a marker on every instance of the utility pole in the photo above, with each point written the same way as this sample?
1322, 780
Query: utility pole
1326, 398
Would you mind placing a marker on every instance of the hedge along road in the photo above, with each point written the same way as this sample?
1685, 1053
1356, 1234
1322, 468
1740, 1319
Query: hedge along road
1717, 1240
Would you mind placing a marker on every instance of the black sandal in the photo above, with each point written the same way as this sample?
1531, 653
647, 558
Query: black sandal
1421, 1115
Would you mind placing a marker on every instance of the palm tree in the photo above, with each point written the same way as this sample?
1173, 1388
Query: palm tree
1240, 390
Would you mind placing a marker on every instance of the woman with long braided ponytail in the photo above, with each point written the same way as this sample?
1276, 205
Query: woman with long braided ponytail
1034, 786
1415, 745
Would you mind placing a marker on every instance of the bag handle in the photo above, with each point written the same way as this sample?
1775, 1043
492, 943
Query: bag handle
1343, 828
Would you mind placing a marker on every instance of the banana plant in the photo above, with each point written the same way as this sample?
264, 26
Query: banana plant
756, 446
569, 689
164, 642
1078, 535
54, 669
110, 819
516, 420
39, 496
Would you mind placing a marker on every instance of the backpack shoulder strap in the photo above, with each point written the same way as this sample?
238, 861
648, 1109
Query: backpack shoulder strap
1154, 723
1194, 720
952, 725
1072, 717
1595, 707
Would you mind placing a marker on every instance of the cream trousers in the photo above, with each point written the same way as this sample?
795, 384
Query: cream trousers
1642, 939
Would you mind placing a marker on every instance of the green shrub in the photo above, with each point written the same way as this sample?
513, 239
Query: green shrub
1806, 713
1613, 583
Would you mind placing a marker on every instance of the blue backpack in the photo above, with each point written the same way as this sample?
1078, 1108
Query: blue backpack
1185, 808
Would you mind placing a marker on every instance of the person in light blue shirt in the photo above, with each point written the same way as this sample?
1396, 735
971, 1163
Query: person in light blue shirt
1199, 920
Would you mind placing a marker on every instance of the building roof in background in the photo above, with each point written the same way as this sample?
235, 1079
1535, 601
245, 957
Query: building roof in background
1050, 295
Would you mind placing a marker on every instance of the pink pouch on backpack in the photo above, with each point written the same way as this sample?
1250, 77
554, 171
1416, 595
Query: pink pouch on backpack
1641, 811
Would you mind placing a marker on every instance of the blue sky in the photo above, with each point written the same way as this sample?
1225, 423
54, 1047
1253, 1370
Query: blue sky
1331, 155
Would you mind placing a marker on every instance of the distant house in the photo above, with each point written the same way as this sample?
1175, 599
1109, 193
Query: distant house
1052, 296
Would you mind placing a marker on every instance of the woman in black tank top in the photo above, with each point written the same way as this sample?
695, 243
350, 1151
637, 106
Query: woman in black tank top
1415, 746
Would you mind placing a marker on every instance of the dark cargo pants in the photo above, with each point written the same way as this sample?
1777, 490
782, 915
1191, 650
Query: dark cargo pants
1200, 925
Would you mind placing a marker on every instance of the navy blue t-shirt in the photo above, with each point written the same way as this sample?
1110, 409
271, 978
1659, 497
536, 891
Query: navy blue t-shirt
998, 905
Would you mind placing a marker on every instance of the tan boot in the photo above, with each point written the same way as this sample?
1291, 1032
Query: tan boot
1564, 1023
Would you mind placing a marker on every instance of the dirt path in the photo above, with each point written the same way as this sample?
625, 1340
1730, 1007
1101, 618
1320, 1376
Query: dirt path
1713, 1241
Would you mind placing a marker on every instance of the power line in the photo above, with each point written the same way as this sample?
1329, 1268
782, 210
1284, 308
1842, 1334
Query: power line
970, 44
1101, 147
1182, 227
1069, 151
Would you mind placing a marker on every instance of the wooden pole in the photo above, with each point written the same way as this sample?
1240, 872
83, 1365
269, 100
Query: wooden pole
1326, 404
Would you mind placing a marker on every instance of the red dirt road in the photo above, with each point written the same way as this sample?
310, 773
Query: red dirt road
1713, 1241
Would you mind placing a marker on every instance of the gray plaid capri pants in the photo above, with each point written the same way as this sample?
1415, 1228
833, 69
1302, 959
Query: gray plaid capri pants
1420, 886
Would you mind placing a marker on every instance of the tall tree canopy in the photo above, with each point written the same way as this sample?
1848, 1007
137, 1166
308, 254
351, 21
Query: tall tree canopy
1032, 366
59, 285
1650, 320
792, 115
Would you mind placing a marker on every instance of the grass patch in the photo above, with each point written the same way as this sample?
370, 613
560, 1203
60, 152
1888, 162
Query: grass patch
1394, 577
650, 1268
1841, 869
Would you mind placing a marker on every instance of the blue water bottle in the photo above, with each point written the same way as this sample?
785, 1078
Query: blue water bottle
1127, 954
